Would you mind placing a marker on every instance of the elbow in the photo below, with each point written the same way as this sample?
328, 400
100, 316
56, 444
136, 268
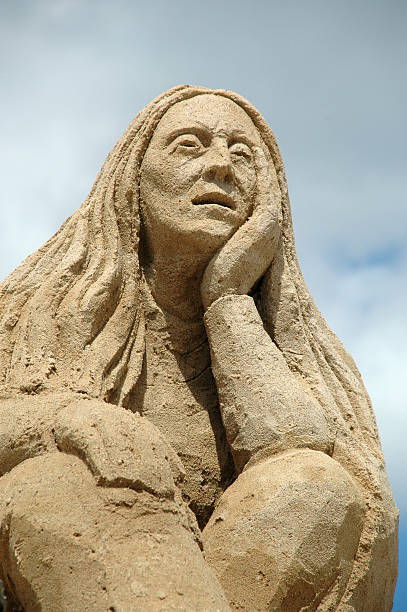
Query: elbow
270, 432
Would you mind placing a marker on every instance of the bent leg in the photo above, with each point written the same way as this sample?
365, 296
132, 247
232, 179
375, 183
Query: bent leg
67, 544
284, 535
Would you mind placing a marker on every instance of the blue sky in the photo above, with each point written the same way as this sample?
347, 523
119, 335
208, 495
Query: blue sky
329, 77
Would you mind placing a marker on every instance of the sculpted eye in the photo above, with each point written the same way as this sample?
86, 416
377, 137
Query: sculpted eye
188, 141
239, 150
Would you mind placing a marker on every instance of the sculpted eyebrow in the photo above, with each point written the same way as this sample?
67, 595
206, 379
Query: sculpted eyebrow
199, 129
238, 136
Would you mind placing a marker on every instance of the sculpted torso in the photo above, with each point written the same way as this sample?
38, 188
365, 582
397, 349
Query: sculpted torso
179, 427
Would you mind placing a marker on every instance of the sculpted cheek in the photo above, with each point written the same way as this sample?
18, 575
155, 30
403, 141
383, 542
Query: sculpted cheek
247, 180
183, 175
157, 174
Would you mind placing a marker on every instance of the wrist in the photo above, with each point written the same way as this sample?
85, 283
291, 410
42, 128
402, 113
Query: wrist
225, 298
230, 306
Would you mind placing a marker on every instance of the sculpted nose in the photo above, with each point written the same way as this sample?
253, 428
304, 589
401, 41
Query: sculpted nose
218, 167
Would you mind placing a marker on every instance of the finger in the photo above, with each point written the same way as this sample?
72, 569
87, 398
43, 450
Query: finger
243, 259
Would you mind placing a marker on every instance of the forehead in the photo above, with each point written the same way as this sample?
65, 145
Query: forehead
214, 113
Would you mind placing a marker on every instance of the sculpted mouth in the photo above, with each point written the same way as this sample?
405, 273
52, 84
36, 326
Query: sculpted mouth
215, 197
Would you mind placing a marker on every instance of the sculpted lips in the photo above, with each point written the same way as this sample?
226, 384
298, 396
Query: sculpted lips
215, 197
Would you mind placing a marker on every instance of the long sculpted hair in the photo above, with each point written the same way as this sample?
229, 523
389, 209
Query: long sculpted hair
71, 316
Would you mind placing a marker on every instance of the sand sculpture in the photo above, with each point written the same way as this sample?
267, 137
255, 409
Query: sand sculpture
180, 429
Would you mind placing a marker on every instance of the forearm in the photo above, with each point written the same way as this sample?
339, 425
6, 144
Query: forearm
263, 405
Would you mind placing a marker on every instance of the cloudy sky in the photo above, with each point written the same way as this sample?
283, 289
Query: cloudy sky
330, 79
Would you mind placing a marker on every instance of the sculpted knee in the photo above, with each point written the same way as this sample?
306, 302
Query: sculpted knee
68, 544
295, 522
47, 505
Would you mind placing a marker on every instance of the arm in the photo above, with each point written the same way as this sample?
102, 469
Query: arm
264, 408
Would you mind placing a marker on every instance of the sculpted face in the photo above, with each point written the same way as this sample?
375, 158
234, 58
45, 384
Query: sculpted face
198, 176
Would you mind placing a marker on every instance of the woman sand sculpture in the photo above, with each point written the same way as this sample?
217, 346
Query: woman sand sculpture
164, 366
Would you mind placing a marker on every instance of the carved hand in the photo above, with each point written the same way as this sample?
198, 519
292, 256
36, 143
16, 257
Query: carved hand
121, 449
236, 267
